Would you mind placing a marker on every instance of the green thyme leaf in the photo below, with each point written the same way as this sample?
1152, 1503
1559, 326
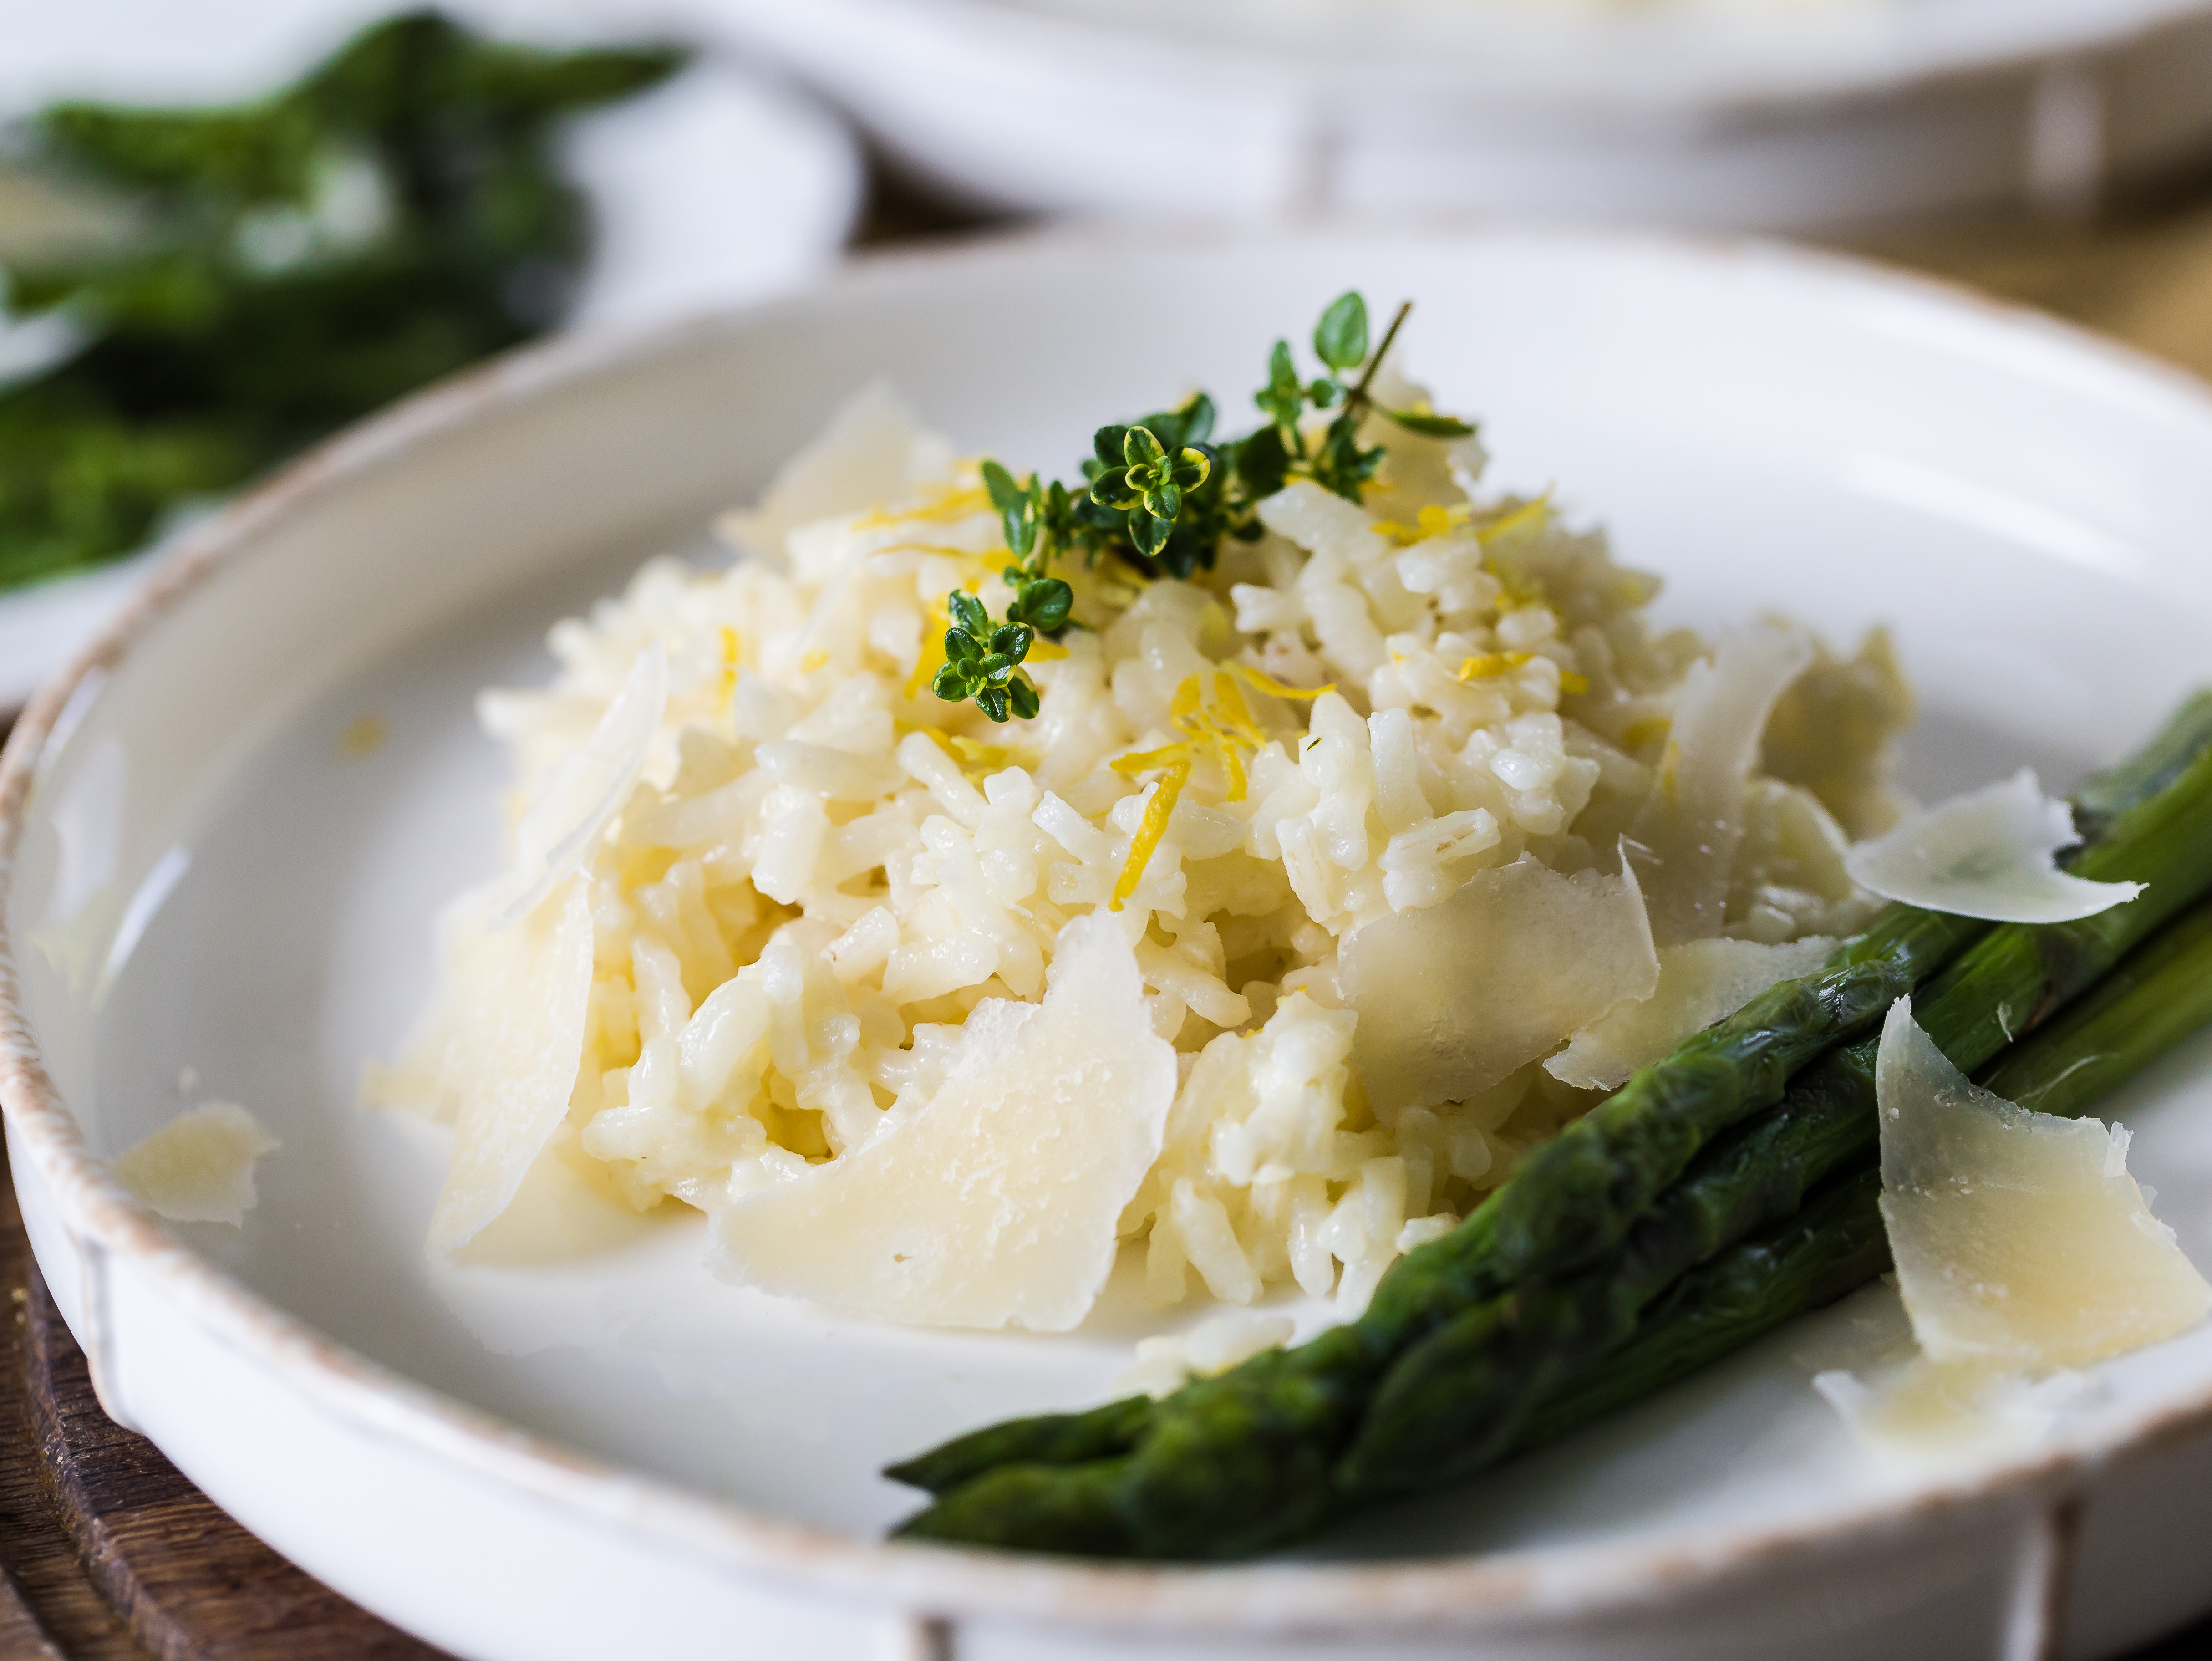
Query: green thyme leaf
1282, 400
1197, 419
1432, 426
1005, 493
968, 613
1340, 337
1018, 507
1150, 532
1044, 604
1262, 463
1115, 489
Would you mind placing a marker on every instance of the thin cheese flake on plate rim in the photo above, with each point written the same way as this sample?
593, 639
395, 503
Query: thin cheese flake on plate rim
198, 1167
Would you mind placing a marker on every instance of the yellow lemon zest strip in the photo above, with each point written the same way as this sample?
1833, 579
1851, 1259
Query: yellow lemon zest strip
977, 760
813, 662
1232, 764
1486, 664
1433, 521
1514, 519
1638, 733
1483, 665
1236, 711
1275, 689
1208, 724
992, 757
729, 666
1165, 794
982, 568
1143, 761
1184, 704
951, 504
932, 649
1044, 651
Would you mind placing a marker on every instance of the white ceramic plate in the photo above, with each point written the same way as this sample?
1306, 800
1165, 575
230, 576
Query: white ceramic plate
1808, 117
576, 1444
719, 187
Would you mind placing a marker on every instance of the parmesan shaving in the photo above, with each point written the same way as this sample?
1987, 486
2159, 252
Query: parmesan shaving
1927, 1416
1453, 997
1990, 853
1835, 732
994, 1203
1700, 981
198, 1168
507, 1050
1683, 842
579, 795
2020, 1239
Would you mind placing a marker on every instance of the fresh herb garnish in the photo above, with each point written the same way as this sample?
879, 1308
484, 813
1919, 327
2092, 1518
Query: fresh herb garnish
1162, 495
980, 661
287, 265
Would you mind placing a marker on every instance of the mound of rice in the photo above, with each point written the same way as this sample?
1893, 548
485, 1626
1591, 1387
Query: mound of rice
1368, 823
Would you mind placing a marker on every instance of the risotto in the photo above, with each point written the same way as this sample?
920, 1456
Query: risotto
1324, 884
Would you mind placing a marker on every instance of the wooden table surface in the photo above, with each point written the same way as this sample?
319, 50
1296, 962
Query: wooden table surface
107, 1553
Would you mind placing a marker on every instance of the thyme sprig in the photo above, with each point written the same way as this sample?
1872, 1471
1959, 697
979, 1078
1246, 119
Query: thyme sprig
1162, 495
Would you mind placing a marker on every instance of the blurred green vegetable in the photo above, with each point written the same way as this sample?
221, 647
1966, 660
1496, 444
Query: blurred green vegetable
292, 264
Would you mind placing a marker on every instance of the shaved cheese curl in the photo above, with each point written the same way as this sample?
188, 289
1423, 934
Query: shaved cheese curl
1991, 853
2020, 1238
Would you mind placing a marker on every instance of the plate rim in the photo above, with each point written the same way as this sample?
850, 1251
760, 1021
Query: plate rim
1764, 84
1497, 1590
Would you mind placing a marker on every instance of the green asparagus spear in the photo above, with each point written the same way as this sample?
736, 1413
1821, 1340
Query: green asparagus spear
1575, 1197
2107, 794
1234, 1463
1455, 1401
1050, 1439
1833, 1246
2151, 1002
2159, 995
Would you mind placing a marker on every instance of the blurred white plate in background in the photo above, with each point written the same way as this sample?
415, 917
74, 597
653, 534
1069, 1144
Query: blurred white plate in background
722, 186
1726, 114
